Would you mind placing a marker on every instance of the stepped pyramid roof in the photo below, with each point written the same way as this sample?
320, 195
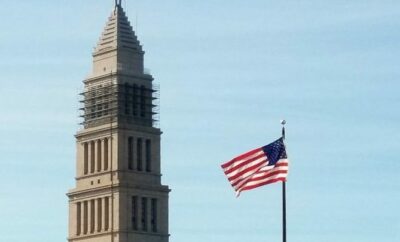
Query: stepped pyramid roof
117, 33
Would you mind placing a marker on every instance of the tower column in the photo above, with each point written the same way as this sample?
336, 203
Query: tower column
90, 157
106, 213
85, 169
103, 212
101, 153
95, 165
110, 214
134, 153
84, 217
97, 155
100, 214
73, 223
148, 214
110, 149
106, 152
144, 162
96, 215
139, 213
90, 216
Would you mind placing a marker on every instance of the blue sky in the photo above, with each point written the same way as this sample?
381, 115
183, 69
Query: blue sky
228, 72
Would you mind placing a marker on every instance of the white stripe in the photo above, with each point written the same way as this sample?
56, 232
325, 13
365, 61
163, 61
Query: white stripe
277, 163
264, 171
252, 183
240, 169
238, 162
250, 176
249, 173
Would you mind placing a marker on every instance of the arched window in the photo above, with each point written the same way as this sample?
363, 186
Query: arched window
98, 155
127, 98
139, 154
105, 154
78, 218
135, 102
134, 212
106, 213
144, 214
92, 216
153, 215
85, 158
92, 157
85, 217
99, 214
148, 155
130, 153
142, 101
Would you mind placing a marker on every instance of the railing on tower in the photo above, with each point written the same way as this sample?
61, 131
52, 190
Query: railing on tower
122, 103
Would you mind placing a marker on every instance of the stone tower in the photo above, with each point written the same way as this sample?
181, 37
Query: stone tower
118, 195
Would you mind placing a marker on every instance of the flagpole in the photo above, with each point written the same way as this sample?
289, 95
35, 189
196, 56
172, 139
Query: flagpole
283, 122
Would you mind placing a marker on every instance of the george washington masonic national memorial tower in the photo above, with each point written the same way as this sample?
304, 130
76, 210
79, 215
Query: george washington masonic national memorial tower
118, 196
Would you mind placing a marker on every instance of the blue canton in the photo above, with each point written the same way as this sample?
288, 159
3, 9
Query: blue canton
275, 151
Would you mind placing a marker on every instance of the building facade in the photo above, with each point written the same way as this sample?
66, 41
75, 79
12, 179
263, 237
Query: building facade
118, 195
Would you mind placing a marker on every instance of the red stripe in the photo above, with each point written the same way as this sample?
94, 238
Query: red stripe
244, 178
269, 174
263, 183
240, 157
263, 174
281, 164
272, 169
275, 167
244, 163
253, 167
262, 177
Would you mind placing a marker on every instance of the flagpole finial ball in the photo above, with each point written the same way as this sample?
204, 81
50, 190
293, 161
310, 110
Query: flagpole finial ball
283, 122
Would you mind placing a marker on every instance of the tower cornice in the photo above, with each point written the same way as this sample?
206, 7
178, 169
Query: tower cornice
106, 130
123, 73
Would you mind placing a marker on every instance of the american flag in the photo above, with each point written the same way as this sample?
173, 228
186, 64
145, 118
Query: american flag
258, 167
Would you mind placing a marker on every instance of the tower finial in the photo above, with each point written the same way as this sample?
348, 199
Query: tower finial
118, 3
